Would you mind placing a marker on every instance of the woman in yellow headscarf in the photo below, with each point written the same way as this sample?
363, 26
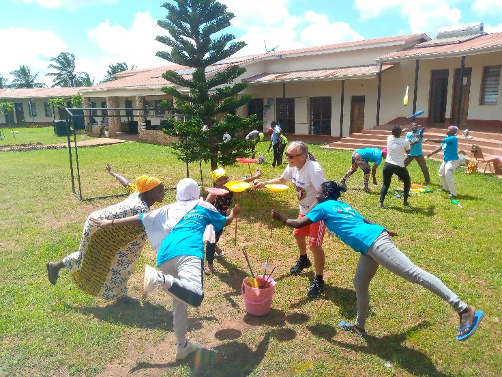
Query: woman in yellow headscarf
105, 260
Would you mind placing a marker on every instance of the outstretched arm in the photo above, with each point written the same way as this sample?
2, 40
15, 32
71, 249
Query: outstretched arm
292, 223
105, 223
373, 172
233, 214
259, 185
124, 181
257, 174
434, 151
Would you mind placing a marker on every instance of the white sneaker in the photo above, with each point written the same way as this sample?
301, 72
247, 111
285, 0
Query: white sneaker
151, 281
183, 352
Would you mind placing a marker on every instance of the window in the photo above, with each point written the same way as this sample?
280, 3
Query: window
48, 110
33, 108
320, 116
94, 112
491, 81
255, 106
159, 110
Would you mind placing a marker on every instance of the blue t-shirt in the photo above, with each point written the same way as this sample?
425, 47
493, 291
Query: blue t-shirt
371, 155
416, 149
450, 148
186, 236
346, 224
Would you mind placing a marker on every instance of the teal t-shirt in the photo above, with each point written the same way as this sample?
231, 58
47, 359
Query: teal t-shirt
186, 236
450, 148
346, 224
371, 155
416, 149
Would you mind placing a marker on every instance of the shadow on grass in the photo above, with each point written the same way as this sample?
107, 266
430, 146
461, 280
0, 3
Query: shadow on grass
229, 359
146, 315
388, 348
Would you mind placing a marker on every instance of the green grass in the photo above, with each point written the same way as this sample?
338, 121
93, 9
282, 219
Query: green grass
31, 135
50, 330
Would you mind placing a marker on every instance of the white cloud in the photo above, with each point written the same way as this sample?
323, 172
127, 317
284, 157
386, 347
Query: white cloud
135, 46
267, 24
322, 32
425, 16
68, 4
493, 29
38, 48
487, 7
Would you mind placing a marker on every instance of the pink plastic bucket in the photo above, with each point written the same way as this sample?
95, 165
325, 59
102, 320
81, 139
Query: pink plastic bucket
258, 301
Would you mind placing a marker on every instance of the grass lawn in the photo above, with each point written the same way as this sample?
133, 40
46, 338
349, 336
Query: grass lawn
57, 330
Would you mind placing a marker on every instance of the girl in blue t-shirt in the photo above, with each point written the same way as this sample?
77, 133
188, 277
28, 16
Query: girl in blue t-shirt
449, 145
376, 248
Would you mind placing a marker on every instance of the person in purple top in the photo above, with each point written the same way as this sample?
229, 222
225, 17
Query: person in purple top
449, 145
360, 159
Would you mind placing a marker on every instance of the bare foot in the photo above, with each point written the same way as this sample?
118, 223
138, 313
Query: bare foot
208, 270
405, 203
219, 251
353, 328
380, 205
466, 318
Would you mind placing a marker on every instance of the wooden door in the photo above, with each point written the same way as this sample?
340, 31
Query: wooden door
19, 113
464, 104
438, 96
357, 114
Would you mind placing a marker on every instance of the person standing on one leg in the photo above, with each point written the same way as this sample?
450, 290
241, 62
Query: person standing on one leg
307, 175
360, 159
449, 145
415, 137
377, 249
175, 233
397, 148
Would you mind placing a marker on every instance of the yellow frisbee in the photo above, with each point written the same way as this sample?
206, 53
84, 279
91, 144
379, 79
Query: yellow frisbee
276, 187
238, 186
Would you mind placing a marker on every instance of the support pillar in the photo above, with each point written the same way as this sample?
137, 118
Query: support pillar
113, 115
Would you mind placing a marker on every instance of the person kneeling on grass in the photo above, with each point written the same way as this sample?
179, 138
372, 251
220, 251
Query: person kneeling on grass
175, 233
376, 248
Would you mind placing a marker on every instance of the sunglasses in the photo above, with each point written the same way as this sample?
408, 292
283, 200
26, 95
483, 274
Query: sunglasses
293, 155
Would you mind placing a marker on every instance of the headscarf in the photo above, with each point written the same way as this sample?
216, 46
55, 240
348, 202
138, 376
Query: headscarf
453, 129
384, 150
218, 173
146, 183
159, 223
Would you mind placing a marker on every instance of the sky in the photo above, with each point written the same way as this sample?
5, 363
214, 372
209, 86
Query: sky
104, 32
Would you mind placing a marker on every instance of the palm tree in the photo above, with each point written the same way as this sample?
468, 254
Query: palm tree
3, 82
84, 79
115, 68
65, 67
24, 79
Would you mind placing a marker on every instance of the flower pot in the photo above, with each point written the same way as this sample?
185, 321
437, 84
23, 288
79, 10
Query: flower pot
82, 137
107, 133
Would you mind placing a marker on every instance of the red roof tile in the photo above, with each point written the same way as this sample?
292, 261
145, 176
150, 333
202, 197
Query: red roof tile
318, 74
483, 43
39, 92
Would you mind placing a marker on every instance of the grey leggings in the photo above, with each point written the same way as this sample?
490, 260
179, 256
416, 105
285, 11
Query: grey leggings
384, 252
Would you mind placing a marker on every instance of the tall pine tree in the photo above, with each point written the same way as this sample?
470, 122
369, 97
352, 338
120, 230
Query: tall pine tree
192, 25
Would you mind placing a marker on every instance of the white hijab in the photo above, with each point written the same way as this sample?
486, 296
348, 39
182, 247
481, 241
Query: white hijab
159, 223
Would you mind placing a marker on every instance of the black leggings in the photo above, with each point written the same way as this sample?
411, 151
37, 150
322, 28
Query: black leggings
402, 173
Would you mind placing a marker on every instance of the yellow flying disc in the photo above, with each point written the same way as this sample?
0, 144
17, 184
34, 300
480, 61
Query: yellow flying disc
238, 186
276, 187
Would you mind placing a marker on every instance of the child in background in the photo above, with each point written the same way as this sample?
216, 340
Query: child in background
221, 203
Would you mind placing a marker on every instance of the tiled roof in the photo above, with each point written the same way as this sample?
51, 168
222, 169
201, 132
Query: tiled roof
39, 92
365, 43
483, 43
318, 74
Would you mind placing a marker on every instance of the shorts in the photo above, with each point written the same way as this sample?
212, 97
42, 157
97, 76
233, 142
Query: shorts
314, 231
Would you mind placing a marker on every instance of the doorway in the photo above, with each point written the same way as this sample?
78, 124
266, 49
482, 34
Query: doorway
464, 105
357, 114
438, 97
19, 113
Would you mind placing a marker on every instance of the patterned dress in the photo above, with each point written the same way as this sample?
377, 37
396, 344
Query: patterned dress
107, 257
